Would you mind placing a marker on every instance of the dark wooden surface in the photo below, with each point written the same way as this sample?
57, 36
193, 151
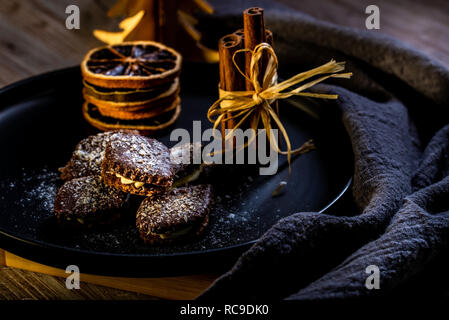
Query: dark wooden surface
423, 24
17, 284
33, 39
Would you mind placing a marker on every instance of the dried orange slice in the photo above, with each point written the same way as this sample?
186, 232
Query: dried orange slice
137, 115
125, 95
164, 99
145, 127
143, 113
133, 65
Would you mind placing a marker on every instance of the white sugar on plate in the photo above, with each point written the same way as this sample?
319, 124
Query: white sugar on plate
45, 191
38, 188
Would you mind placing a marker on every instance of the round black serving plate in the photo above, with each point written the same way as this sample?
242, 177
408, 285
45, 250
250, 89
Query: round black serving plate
40, 124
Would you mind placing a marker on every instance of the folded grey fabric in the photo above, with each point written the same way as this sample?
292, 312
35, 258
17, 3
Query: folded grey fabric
394, 112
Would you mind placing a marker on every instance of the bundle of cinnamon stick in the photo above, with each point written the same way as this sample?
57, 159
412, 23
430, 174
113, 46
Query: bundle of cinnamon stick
248, 85
252, 34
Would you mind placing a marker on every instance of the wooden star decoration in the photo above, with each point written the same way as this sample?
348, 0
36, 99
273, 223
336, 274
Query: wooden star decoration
166, 21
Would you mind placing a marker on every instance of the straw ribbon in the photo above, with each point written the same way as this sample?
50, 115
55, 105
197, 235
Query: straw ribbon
254, 105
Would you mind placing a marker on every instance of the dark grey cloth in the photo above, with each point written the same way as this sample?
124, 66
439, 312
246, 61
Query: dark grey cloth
393, 110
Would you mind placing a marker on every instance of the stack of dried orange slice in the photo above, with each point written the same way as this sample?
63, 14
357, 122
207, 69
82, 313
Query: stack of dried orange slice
132, 85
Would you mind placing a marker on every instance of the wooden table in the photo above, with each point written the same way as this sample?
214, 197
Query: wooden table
24, 279
33, 39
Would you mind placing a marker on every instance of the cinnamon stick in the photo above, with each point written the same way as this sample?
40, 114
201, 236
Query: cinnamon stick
269, 37
270, 41
254, 34
239, 33
230, 78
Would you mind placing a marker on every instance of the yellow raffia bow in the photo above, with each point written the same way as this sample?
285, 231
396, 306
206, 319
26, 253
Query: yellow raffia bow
254, 105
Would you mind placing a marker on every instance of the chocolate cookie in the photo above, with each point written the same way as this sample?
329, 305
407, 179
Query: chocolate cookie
88, 155
87, 201
137, 165
182, 159
177, 214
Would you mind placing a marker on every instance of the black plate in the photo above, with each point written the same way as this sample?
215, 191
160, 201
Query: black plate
41, 122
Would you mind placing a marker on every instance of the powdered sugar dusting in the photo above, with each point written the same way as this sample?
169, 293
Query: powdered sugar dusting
27, 199
86, 196
26, 208
46, 187
174, 209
